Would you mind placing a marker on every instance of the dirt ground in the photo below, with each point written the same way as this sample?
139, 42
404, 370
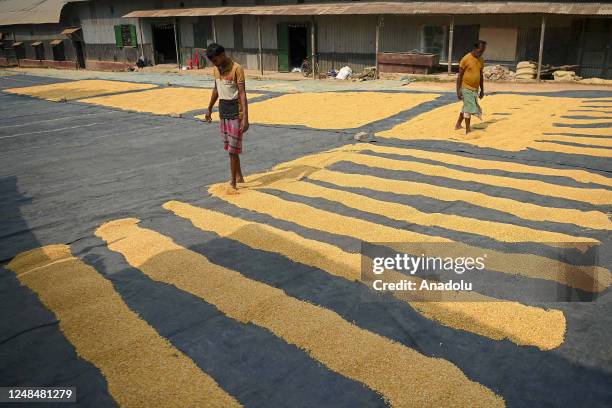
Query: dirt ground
295, 82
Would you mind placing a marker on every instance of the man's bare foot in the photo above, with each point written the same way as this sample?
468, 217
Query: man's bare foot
468, 131
233, 185
240, 179
457, 127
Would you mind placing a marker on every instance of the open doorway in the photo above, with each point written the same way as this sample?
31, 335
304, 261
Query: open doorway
163, 44
80, 55
298, 45
293, 45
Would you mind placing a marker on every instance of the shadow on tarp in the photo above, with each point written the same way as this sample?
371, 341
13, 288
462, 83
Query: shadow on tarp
33, 350
601, 165
247, 361
22, 81
524, 376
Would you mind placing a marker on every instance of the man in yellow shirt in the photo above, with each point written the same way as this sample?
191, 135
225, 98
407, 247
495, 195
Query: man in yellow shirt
469, 81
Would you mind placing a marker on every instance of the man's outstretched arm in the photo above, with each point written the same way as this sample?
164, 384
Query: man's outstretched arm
244, 126
481, 84
459, 80
211, 104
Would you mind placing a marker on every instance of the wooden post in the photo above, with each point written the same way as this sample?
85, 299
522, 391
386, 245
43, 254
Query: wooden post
260, 50
451, 35
378, 18
313, 48
542, 31
176, 45
581, 45
15, 51
605, 67
141, 38
214, 29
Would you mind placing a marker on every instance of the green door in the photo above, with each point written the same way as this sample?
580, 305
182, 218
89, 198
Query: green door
282, 36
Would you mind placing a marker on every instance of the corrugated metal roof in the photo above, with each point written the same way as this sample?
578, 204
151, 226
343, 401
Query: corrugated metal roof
14, 12
595, 9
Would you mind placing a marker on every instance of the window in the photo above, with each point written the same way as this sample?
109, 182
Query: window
19, 50
58, 50
39, 50
433, 39
112, 9
125, 35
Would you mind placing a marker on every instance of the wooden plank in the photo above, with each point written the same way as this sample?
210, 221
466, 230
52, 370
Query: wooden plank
542, 32
428, 60
451, 32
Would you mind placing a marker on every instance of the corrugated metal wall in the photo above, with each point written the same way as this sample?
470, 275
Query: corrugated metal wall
341, 40
596, 46
346, 40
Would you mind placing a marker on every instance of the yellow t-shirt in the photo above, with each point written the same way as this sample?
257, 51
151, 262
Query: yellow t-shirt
471, 71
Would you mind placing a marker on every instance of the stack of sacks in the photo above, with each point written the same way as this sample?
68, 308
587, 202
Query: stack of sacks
596, 81
497, 73
566, 76
526, 70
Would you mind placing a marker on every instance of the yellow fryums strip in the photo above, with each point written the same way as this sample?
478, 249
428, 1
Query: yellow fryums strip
585, 142
527, 211
591, 116
581, 176
157, 101
496, 230
261, 236
595, 196
588, 278
523, 119
142, 368
79, 89
326, 110
596, 101
574, 118
482, 315
402, 375
313, 167
586, 121
585, 151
